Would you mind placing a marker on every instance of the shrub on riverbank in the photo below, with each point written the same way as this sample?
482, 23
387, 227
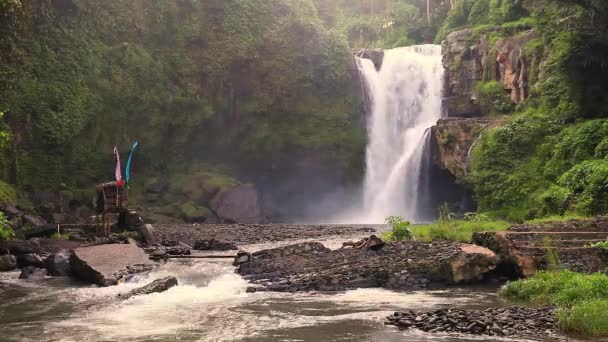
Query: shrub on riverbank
456, 230
582, 298
6, 233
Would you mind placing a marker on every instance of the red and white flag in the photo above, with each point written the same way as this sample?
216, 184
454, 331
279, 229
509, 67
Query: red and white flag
118, 172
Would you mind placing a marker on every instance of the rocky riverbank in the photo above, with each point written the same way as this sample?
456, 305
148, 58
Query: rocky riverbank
502, 322
246, 234
407, 265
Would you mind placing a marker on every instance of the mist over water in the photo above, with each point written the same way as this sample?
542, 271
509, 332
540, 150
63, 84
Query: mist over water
405, 100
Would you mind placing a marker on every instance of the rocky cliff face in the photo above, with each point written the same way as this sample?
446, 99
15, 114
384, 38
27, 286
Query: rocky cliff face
471, 56
452, 142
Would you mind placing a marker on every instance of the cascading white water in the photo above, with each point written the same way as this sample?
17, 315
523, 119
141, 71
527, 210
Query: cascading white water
405, 100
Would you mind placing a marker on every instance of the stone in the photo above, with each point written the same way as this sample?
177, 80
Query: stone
472, 263
157, 286
18, 247
148, 233
11, 211
33, 220
30, 259
452, 140
7, 262
130, 220
521, 250
312, 266
58, 264
241, 203
106, 265
214, 245
33, 273
375, 55
532, 323
241, 258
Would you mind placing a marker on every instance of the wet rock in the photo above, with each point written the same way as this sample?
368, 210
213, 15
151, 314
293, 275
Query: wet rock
148, 233
407, 265
106, 265
528, 322
241, 203
241, 258
33, 273
214, 245
7, 262
373, 242
58, 264
30, 259
157, 286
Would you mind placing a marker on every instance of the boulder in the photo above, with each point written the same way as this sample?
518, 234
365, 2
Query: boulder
148, 234
214, 245
33, 220
58, 264
472, 263
157, 286
241, 258
106, 265
241, 203
7, 262
30, 259
18, 247
33, 273
11, 211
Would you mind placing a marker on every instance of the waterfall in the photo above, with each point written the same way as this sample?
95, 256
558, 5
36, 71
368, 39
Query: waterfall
405, 100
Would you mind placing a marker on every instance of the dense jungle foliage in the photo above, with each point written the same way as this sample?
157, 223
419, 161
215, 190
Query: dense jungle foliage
550, 157
210, 86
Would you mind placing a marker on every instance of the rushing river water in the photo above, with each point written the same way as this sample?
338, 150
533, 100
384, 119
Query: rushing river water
211, 304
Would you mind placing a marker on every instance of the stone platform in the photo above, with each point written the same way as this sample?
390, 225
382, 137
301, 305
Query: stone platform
408, 265
526, 247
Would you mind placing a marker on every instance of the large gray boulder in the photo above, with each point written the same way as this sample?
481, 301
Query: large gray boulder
107, 265
241, 204
157, 286
58, 264
7, 263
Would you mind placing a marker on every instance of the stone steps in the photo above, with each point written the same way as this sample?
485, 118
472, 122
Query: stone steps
556, 236
597, 224
560, 243
525, 246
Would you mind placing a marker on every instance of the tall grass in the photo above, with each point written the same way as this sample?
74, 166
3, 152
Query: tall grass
456, 230
582, 299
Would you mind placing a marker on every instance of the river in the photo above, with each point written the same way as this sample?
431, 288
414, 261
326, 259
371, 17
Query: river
211, 304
